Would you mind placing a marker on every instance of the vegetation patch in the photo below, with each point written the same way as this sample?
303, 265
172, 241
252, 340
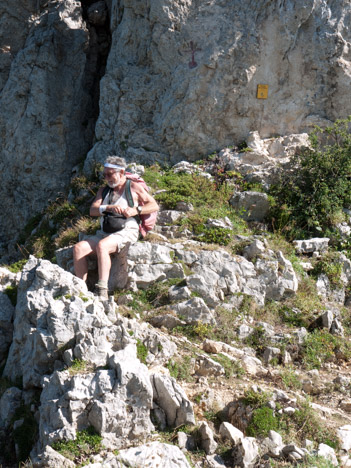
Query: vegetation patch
320, 346
231, 368
11, 292
181, 369
142, 351
332, 267
309, 199
78, 367
82, 448
16, 267
263, 420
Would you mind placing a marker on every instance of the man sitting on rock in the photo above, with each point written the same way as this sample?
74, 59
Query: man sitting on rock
103, 244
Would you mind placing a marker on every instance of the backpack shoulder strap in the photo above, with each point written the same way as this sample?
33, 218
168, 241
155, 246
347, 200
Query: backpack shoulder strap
105, 192
128, 193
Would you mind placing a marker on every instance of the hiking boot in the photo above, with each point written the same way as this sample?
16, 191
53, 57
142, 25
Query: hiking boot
101, 292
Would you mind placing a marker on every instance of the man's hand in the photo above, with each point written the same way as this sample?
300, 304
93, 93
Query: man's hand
130, 211
115, 209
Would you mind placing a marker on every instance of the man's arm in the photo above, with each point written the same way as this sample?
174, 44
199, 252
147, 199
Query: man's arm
148, 203
94, 208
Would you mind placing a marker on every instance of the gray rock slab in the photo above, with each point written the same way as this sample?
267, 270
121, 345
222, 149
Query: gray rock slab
172, 399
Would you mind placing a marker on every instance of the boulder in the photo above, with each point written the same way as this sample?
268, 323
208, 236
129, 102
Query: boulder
153, 455
327, 452
116, 402
173, 400
205, 366
231, 433
317, 244
55, 312
252, 206
207, 439
344, 434
49, 457
193, 311
246, 452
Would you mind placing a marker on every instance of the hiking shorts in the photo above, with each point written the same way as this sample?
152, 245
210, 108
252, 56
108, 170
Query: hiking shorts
130, 234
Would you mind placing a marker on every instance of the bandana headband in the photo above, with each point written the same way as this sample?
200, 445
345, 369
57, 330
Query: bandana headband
114, 166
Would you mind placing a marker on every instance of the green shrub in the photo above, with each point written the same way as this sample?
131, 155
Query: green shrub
17, 266
258, 339
230, 367
305, 423
79, 450
290, 379
214, 235
256, 399
310, 198
320, 346
263, 420
331, 266
142, 351
181, 369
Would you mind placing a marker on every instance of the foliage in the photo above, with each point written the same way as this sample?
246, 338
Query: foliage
258, 339
195, 332
78, 366
256, 399
142, 351
290, 379
301, 309
11, 292
155, 295
181, 369
320, 346
17, 266
230, 367
79, 450
309, 198
70, 235
306, 424
224, 330
263, 420
213, 235
209, 198
331, 266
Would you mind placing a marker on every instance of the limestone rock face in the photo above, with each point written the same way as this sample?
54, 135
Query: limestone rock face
182, 76
42, 106
55, 312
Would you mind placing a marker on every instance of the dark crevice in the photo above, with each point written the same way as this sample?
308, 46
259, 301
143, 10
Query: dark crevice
97, 19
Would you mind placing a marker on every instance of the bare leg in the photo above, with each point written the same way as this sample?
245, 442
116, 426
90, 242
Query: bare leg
81, 251
104, 248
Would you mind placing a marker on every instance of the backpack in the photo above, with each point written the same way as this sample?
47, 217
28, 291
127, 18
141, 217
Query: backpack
147, 221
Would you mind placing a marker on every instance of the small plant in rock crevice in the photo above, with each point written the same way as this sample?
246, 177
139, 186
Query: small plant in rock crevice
142, 351
80, 450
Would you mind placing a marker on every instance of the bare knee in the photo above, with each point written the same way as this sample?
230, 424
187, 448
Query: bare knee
100, 249
81, 250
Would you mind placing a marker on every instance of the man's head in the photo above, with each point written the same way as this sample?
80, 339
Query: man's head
114, 169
